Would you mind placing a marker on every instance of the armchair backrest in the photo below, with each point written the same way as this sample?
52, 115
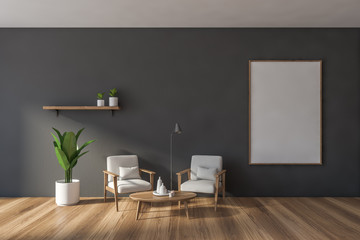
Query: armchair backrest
207, 161
114, 162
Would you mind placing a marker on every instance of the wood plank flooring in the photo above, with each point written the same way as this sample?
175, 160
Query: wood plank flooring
236, 218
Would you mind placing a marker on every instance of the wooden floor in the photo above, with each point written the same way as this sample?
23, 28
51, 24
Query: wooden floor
236, 218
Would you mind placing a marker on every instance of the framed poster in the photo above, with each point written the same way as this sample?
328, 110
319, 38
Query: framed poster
285, 112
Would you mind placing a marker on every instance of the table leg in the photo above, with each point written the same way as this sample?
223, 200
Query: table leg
186, 209
138, 210
179, 204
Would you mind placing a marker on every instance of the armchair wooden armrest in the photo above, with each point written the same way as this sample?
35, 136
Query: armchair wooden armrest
220, 173
110, 173
183, 171
147, 171
188, 171
151, 173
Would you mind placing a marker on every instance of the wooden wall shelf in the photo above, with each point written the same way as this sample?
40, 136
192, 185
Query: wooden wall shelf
58, 108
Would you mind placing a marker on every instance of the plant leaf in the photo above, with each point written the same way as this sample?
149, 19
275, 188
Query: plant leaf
84, 145
74, 162
78, 133
59, 134
113, 92
62, 159
100, 96
69, 145
58, 144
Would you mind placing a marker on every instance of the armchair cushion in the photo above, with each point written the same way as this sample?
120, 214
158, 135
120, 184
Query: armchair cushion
200, 186
207, 161
206, 173
129, 173
114, 162
131, 185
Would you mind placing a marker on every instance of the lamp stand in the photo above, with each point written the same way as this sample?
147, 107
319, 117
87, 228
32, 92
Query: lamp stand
177, 130
171, 161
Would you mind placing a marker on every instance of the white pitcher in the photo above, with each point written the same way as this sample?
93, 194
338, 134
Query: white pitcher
163, 189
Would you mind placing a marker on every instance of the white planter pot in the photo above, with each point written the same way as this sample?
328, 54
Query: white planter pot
113, 101
67, 193
100, 103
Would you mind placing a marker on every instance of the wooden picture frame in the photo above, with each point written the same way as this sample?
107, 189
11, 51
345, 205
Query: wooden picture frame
285, 112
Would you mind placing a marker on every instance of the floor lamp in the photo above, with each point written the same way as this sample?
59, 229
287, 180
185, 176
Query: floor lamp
177, 130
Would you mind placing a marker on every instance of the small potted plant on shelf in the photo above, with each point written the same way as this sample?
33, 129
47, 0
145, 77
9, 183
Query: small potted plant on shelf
100, 101
67, 191
113, 100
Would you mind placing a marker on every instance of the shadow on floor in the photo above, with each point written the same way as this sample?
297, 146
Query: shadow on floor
195, 212
93, 201
197, 208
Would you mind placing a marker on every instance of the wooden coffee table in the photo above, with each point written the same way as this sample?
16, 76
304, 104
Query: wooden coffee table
151, 198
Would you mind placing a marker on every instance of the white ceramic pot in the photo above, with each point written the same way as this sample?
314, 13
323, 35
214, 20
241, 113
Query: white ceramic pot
67, 193
100, 103
113, 101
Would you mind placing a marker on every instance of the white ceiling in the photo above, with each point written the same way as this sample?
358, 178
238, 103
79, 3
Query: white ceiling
179, 13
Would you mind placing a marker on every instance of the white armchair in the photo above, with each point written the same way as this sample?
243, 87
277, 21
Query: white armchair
205, 176
123, 176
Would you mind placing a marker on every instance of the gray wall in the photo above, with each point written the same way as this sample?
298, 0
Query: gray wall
197, 77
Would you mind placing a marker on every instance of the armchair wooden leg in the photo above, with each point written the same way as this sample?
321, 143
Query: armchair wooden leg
105, 184
116, 194
179, 183
216, 198
152, 181
223, 186
179, 189
216, 192
116, 202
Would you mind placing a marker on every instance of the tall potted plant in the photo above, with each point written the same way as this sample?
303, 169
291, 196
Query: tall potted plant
68, 153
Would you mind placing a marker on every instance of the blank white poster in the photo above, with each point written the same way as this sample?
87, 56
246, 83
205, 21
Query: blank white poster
285, 112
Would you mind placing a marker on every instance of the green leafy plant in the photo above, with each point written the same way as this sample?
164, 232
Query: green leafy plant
100, 96
67, 151
113, 92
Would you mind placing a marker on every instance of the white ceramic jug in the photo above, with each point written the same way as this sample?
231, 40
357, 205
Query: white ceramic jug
163, 189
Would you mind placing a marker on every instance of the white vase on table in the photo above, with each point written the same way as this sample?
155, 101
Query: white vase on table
159, 182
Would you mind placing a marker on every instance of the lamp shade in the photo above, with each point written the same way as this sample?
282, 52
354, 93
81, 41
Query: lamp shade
177, 129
